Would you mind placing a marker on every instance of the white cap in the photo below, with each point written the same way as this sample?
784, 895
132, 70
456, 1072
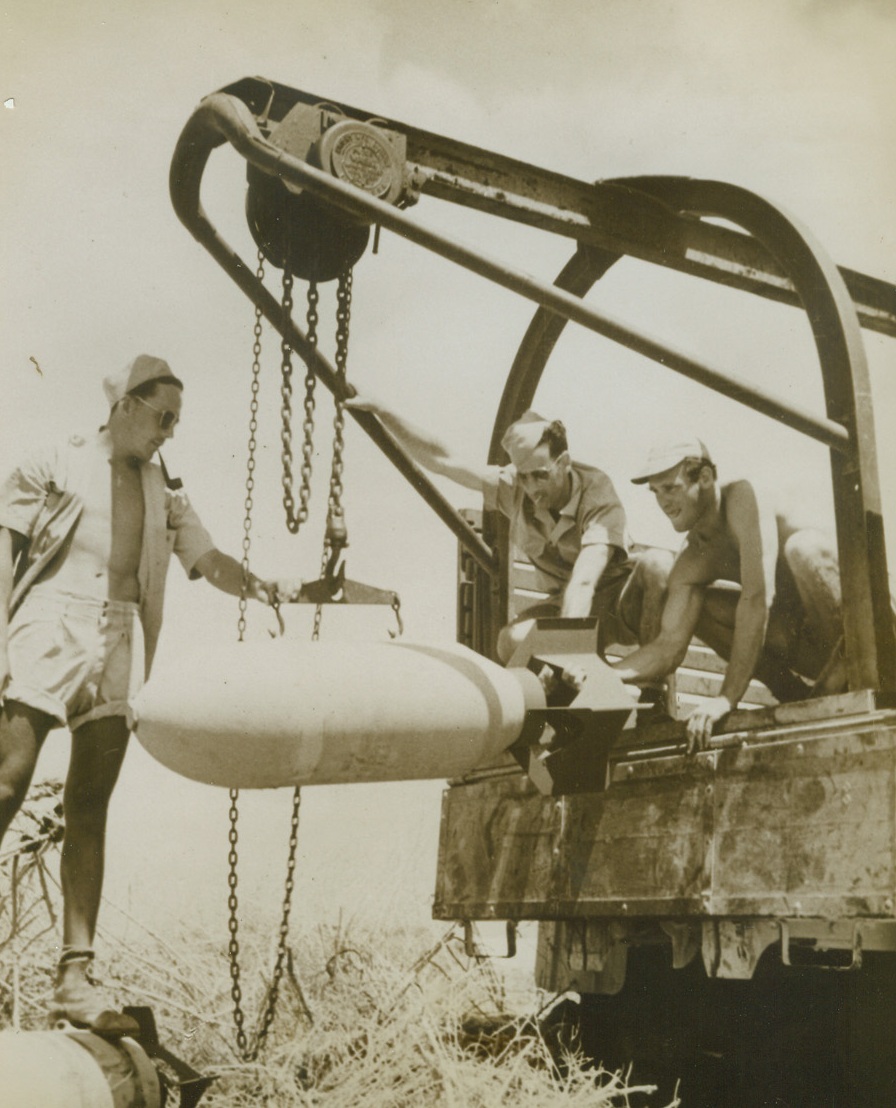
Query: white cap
522, 437
145, 367
666, 455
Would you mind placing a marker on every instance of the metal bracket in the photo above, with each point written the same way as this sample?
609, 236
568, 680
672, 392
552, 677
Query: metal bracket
190, 1083
565, 747
823, 957
472, 950
335, 588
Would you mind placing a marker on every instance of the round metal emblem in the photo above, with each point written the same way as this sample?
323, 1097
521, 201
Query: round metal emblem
356, 152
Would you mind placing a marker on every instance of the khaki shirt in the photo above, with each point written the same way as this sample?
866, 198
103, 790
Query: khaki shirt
42, 500
593, 514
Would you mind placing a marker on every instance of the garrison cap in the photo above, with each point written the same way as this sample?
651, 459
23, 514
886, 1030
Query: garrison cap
666, 455
145, 367
521, 438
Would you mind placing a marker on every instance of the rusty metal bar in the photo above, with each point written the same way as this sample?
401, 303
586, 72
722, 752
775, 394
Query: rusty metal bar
209, 127
619, 219
235, 122
612, 215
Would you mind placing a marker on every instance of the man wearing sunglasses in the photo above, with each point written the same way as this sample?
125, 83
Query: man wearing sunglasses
566, 519
86, 533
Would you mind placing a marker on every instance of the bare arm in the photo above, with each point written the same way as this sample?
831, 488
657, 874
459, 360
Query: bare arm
680, 614
226, 574
424, 448
755, 532
588, 570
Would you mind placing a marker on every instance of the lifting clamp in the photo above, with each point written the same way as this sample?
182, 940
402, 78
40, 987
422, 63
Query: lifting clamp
333, 587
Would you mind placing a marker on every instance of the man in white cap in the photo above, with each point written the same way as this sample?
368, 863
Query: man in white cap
568, 521
783, 625
86, 532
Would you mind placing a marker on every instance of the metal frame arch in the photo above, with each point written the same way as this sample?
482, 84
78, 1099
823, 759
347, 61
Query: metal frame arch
586, 266
869, 633
867, 616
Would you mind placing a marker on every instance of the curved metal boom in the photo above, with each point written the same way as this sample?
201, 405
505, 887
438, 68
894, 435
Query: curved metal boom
657, 219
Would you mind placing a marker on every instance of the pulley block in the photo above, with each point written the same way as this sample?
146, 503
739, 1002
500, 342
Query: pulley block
295, 229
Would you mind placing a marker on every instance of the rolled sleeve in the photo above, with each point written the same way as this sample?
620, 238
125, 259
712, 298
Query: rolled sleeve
24, 493
609, 531
602, 517
191, 540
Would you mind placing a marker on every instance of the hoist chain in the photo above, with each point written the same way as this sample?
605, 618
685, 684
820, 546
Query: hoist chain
336, 533
335, 537
250, 461
343, 318
294, 518
248, 1052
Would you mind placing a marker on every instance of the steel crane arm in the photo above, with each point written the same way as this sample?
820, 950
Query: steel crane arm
658, 219
613, 215
221, 119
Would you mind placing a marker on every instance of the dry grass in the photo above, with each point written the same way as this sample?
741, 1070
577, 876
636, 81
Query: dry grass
363, 1018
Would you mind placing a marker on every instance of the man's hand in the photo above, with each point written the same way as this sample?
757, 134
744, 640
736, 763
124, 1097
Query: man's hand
703, 719
279, 591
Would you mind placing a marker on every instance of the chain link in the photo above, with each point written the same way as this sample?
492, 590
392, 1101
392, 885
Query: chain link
233, 926
335, 512
343, 318
335, 528
294, 518
248, 1052
250, 461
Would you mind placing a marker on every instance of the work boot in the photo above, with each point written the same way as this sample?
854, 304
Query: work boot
80, 1002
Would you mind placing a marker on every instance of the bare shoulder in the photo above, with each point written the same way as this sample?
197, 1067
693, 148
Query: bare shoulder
742, 493
747, 504
791, 508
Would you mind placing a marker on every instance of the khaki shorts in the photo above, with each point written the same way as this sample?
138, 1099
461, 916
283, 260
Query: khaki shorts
76, 658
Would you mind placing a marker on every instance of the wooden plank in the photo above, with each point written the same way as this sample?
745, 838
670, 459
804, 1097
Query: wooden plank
702, 685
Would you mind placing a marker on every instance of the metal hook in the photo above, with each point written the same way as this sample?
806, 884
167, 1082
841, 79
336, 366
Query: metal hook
281, 624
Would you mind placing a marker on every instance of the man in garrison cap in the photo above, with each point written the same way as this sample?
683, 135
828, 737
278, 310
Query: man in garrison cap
87, 528
782, 625
566, 518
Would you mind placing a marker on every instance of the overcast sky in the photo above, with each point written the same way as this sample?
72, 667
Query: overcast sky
791, 98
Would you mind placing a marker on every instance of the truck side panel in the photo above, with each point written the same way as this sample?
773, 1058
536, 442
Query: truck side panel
793, 822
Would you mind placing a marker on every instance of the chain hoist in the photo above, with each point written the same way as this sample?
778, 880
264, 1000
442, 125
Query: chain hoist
331, 587
248, 503
249, 1052
295, 519
336, 534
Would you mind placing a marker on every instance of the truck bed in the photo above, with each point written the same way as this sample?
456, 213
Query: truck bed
785, 828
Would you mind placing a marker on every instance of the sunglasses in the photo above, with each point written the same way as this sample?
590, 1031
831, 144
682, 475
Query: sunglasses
539, 475
167, 419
